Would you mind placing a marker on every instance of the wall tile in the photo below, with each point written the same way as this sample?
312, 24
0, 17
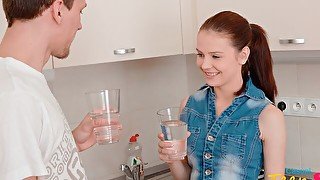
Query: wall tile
150, 84
146, 86
310, 146
293, 148
194, 74
308, 78
287, 79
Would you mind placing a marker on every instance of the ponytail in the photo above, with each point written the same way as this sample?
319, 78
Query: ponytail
259, 64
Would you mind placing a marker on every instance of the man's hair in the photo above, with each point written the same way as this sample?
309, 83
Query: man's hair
27, 9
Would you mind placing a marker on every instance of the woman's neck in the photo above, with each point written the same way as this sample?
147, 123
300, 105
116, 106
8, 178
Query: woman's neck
228, 90
225, 95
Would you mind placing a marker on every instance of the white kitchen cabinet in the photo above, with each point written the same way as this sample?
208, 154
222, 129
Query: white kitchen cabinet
152, 28
189, 25
281, 19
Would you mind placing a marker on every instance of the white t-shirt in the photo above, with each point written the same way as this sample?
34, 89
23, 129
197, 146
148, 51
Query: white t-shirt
35, 138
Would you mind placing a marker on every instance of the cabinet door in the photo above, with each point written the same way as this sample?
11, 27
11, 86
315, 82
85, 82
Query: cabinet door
152, 28
189, 25
281, 19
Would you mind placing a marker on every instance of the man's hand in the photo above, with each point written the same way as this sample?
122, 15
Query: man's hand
83, 134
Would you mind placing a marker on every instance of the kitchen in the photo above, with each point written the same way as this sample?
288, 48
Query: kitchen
162, 69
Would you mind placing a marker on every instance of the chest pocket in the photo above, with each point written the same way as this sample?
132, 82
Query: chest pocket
233, 145
192, 139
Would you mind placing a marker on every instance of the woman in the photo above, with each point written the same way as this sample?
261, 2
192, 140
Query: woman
235, 128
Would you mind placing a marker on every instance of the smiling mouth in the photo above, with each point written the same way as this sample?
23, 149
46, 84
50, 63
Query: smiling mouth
211, 74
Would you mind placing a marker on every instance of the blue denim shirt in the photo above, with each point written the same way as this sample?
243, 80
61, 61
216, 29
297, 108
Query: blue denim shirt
226, 147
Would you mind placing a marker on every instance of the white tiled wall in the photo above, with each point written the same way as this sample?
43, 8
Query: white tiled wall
146, 86
149, 84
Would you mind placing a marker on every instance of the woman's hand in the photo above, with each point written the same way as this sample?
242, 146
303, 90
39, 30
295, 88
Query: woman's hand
179, 168
165, 149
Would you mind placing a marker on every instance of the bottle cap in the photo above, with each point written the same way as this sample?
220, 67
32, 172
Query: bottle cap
134, 138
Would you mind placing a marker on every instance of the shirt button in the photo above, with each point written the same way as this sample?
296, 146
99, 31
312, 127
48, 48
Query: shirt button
210, 138
207, 155
208, 172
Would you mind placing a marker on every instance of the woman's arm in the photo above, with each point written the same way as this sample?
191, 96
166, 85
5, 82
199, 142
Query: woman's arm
180, 169
273, 133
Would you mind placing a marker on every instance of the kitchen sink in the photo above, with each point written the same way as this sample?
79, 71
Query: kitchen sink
166, 176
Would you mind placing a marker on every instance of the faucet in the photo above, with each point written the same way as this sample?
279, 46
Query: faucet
137, 172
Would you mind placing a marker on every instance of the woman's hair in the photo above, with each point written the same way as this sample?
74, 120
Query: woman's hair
241, 33
27, 9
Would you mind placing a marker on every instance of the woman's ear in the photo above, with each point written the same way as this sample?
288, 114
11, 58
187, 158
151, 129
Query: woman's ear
56, 8
244, 55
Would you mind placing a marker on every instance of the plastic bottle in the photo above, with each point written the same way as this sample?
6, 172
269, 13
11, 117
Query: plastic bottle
134, 151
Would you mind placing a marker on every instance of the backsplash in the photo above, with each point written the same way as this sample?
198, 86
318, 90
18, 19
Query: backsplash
150, 84
146, 86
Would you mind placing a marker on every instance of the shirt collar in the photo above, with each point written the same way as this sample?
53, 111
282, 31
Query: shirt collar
253, 92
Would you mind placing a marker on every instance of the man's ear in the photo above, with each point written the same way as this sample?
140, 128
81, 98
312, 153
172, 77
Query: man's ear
244, 55
56, 9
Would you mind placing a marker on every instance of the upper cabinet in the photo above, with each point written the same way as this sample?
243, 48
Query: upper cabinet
189, 25
287, 23
117, 30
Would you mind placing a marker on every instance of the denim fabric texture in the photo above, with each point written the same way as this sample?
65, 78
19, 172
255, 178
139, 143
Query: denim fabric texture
227, 147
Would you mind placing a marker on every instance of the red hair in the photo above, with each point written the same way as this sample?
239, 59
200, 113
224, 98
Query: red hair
241, 33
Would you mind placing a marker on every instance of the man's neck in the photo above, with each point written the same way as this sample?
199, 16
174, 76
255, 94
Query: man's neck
25, 44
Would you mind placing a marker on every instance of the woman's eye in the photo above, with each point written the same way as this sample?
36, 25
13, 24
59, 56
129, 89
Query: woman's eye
215, 57
200, 55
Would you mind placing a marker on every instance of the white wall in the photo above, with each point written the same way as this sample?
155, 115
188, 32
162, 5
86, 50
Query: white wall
301, 80
146, 86
149, 84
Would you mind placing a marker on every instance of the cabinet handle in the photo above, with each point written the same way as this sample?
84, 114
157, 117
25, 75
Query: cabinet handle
124, 51
291, 41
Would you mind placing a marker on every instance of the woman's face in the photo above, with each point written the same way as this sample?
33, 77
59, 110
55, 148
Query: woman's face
218, 59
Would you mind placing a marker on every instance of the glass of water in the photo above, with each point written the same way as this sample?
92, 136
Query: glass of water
174, 131
104, 108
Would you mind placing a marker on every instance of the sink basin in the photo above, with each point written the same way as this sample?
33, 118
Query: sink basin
165, 176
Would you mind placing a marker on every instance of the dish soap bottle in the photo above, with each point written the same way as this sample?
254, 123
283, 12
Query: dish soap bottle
134, 154
134, 151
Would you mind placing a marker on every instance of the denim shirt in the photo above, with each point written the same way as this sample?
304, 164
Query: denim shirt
226, 147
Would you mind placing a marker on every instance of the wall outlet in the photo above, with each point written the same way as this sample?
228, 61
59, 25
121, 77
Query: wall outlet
293, 106
297, 107
312, 107
283, 104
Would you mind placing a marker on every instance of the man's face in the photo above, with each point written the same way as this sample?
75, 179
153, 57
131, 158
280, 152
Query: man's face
70, 24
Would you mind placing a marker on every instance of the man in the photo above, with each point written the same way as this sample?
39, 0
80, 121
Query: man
35, 139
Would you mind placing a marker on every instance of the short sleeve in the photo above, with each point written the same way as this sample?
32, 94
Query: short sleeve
20, 133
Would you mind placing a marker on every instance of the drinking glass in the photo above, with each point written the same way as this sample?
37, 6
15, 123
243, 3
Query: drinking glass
174, 131
104, 110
